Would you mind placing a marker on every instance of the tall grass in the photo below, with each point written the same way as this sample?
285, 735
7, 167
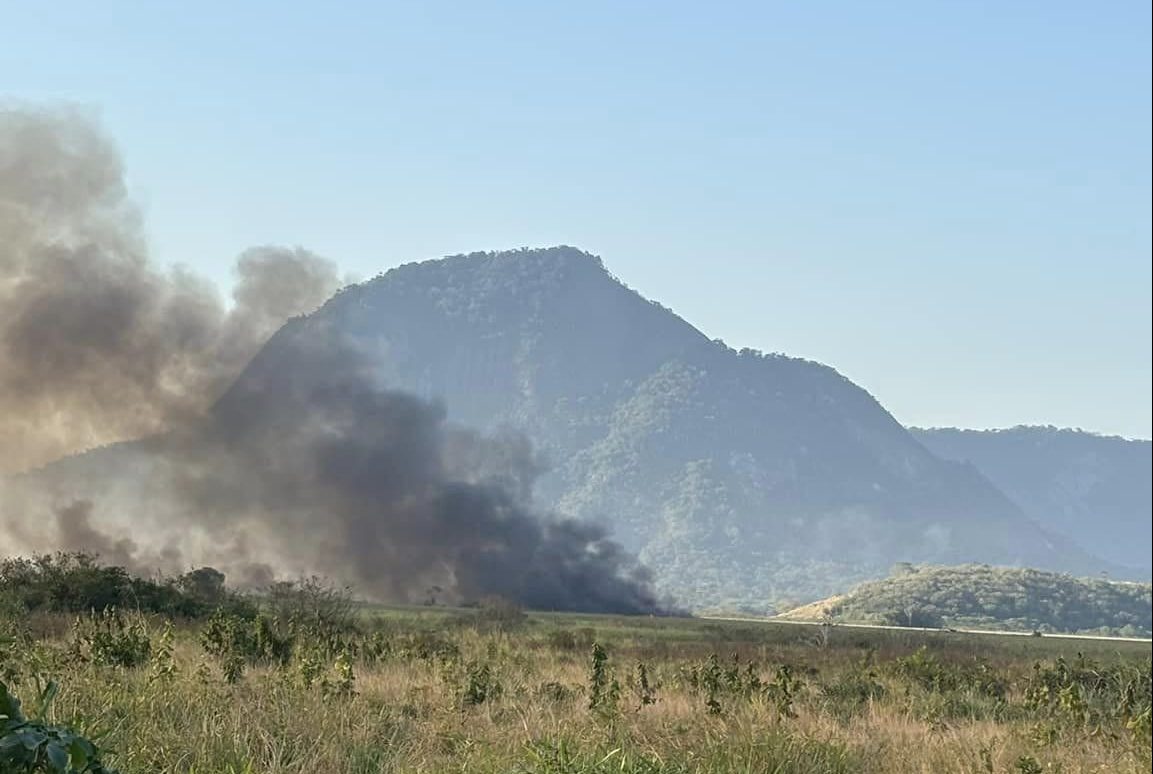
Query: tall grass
465, 693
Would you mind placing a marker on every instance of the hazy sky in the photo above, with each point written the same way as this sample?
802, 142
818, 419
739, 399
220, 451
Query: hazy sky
947, 201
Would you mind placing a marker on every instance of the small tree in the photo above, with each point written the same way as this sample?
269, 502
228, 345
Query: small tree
204, 583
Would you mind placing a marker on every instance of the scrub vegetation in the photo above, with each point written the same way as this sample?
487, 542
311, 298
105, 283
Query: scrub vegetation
304, 679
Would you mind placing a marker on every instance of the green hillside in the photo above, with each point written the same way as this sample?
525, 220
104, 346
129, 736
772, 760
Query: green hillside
983, 597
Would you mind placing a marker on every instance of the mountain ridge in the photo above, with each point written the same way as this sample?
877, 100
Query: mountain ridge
1070, 481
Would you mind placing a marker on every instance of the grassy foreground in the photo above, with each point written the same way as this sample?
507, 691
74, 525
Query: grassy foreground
495, 691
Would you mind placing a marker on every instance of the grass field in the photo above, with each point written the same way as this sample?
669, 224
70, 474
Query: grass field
491, 690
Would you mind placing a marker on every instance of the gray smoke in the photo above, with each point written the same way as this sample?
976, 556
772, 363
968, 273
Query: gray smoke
313, 469
75, 531
373, 486
96, 342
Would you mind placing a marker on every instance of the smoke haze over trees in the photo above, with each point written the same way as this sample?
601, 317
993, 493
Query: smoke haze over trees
328, 473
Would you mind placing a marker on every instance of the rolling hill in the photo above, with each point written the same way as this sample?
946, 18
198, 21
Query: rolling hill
997, 598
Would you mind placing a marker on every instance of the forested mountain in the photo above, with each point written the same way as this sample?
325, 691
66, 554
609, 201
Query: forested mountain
1093, 489
983, 597
740, 478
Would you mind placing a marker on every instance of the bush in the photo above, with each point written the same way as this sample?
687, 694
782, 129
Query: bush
107, 639
480, 684
913, 617
1082, 694
64, 583
571, 640
499, 613
205, 584
238, 642
935, 676
851, 693
312, 603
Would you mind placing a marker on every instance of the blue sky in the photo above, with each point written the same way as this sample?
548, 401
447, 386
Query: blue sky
947, 201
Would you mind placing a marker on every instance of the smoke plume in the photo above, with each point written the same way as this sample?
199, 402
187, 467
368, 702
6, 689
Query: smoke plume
96, 342
331, 473
307, 467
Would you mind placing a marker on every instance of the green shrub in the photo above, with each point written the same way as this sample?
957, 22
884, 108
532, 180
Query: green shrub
498, 613
854, 689
314, 606
571, 639
783, 691
931, 674
643, 686
237, 642
604, 690
1027, 764
555, 692
32, 746
108, 639
481, 684
1084, 694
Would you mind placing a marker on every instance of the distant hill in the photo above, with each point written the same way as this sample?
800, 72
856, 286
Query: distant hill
741, 479
983, 597
1095, 490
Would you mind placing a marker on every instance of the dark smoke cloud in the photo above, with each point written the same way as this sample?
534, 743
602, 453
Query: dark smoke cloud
374, 487
96, 342
308, 466
74, 532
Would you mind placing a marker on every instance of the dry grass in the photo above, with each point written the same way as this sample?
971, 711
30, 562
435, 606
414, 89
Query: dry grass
410, 713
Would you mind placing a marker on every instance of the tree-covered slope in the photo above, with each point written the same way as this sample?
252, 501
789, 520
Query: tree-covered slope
983, 597
740, 478
1094, 489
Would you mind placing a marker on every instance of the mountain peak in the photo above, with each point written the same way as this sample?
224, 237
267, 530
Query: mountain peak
557, 262
702, 458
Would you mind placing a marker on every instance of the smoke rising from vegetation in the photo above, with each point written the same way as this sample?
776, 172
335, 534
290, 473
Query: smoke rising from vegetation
324, 472
380, 490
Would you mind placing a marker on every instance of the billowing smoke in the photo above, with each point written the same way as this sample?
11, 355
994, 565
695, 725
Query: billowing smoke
373, 486
96, 343
318, 471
